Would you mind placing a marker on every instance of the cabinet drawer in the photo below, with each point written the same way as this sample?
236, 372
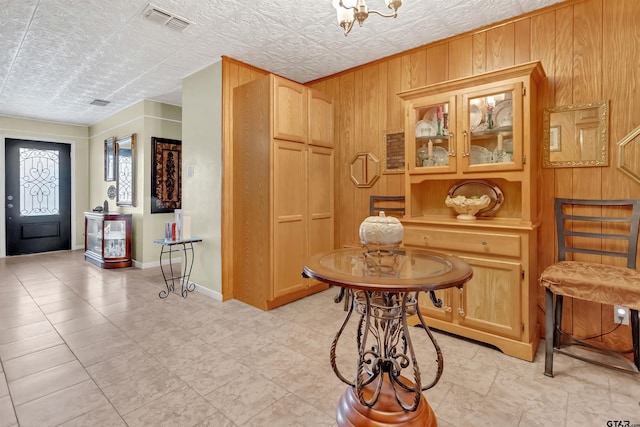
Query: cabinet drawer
463, 241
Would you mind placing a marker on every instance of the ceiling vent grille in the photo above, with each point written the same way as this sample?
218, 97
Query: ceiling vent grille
161, 16
100, 102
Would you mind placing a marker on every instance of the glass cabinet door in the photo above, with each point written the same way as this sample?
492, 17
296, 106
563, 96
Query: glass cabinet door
115, 237
94, 236
492, 129
432, 141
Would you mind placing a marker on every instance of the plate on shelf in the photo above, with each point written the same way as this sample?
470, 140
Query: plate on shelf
431, 115
441, 156
476, 118
479, 155
503, 114
426, 128
507, 145
476, 189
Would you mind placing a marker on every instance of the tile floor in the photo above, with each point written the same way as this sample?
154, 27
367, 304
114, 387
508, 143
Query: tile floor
81, 346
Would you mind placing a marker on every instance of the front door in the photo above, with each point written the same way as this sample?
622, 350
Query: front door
38, 196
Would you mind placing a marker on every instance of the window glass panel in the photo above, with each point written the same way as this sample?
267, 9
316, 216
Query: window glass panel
39, 182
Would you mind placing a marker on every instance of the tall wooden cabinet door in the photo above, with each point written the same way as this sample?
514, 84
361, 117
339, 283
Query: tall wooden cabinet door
491, 300
290, 216
321, 208
290, 110
320, 119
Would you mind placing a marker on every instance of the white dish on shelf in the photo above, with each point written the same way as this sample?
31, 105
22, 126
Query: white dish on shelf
503, 113
431, 115
507, 145
479, 155
441, 156
475, 117
426, 128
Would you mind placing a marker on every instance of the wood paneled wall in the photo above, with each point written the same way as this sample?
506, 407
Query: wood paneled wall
590, 50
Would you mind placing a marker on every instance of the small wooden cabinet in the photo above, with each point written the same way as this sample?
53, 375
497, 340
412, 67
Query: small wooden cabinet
283, 182
479, 133
107, 241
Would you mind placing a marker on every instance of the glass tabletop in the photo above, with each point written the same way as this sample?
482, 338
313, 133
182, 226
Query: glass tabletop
397, 270
177, 242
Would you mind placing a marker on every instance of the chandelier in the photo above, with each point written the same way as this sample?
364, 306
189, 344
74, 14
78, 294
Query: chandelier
357, 10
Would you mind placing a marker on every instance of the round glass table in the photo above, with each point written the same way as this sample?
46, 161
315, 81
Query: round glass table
384, 286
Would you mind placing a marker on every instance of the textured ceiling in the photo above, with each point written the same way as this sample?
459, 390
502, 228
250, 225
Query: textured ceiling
56, 56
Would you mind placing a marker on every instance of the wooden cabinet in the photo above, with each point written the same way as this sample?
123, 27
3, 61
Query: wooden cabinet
479, 133
107, 239
283, 189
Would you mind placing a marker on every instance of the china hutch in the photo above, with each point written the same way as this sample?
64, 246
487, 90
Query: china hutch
107, 241
283, 181
472, 137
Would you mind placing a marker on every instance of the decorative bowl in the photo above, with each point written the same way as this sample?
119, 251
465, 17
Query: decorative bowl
467, 207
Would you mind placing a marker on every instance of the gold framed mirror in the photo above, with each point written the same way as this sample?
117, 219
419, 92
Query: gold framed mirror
629, 154
393, 152
364, 170
576, 135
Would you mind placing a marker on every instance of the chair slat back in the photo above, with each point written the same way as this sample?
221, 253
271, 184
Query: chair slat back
374, 207
570, 240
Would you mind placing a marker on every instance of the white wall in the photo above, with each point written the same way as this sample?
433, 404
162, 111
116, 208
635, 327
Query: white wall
146, 119
202, 153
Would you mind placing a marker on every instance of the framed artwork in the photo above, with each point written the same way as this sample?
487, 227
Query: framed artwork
555, 144
110, 159
166, 175
393, 149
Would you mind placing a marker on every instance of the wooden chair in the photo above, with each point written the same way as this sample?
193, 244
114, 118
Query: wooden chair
602, 229
381, 203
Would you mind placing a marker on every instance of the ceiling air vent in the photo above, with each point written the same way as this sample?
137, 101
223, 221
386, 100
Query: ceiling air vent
161, 16
100, 102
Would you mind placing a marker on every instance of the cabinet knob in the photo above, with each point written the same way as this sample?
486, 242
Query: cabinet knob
426, 238
484, 243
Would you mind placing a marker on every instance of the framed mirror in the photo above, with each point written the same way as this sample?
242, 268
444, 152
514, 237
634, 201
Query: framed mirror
629, 154
393, 152
364, 169
576, 135
110, 159
125, 170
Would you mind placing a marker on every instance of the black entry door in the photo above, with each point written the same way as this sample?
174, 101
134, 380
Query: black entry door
37, 196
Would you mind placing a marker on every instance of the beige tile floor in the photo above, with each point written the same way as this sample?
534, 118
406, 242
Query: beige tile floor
81, 346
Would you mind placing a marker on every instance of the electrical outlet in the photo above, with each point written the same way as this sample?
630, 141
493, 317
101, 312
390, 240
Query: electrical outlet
620, 315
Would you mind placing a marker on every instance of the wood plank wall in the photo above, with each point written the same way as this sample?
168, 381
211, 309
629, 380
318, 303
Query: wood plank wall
590, 50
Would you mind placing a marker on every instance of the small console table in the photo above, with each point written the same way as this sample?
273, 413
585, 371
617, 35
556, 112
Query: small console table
169, 247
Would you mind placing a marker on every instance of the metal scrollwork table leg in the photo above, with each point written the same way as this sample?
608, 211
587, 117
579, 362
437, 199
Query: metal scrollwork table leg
182, 277
385, 349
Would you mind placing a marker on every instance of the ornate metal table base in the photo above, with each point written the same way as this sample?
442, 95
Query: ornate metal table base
352, 413
180, 276
380, 395
385, 285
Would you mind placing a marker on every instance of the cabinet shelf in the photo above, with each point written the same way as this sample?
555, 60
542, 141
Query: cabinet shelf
480, 223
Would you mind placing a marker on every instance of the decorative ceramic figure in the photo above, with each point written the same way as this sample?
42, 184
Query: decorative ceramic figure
381, 230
